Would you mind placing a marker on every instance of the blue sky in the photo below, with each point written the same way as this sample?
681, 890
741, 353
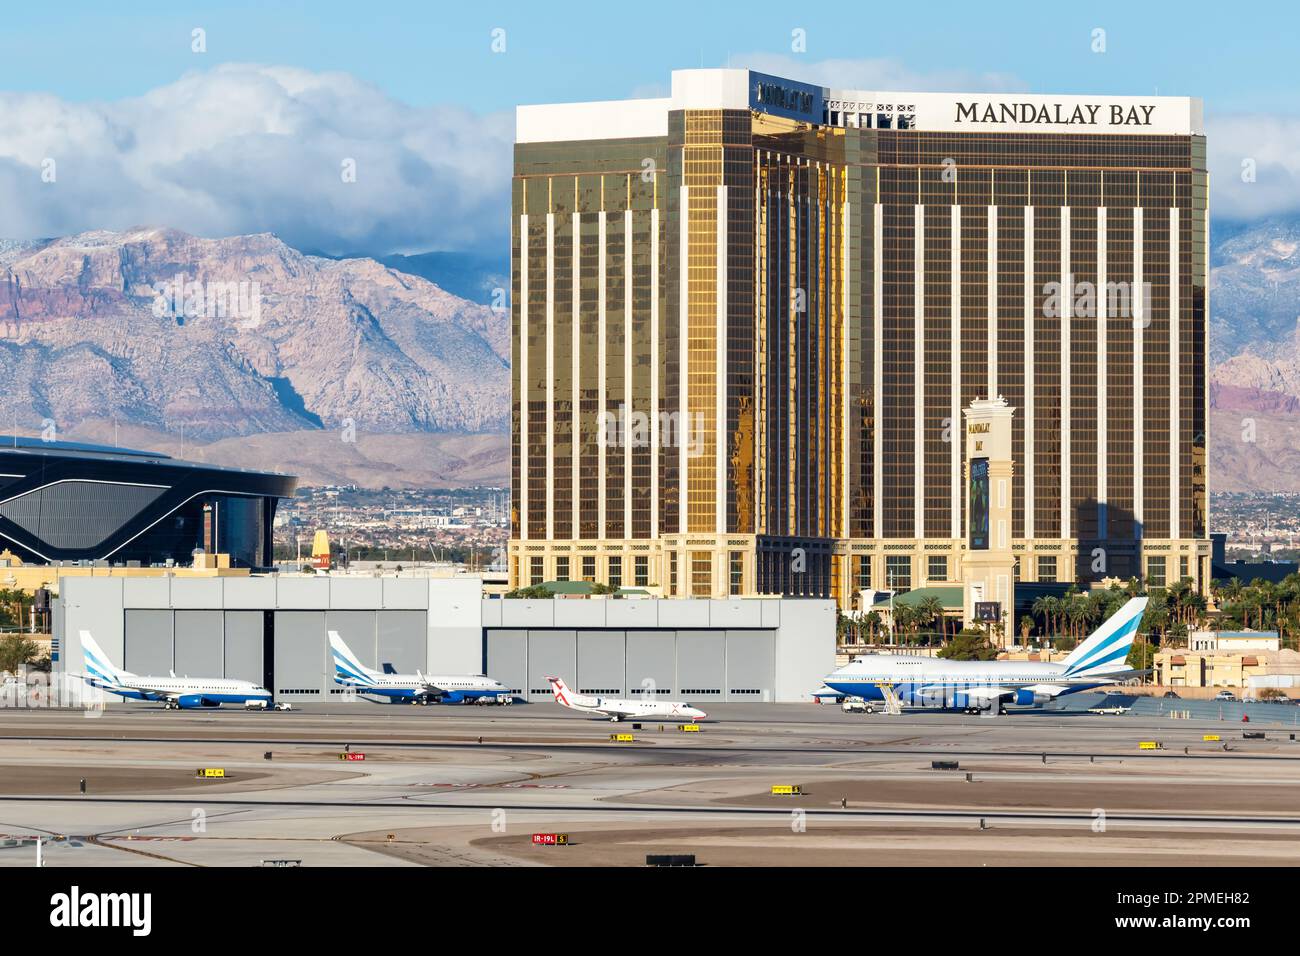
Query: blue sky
110, 120
1238, 56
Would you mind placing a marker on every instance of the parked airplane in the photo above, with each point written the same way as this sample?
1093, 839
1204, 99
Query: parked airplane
974, 686
616, 709
174, 692
415, 688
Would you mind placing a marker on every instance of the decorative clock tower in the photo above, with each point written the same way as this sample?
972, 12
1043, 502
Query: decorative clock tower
988, 565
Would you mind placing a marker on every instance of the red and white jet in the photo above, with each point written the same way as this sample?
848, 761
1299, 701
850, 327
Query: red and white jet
616, 709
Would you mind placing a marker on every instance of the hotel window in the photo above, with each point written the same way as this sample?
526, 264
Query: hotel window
701, 574
864, 572
588, 567
641, 570
1183, 574
898, 572
1156, 572
615, 571
672, 572
536, 572
1015, 568
562, 568
1047, 568
737, 571
938, 567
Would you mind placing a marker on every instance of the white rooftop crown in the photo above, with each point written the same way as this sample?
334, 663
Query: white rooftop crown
952, 112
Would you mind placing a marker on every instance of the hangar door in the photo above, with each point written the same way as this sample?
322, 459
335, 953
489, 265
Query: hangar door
243, 646
148, 642
601, 661
300, 655
751, 665
507, 659
403, 640
651, 662
701, 665
198, 643
551, 654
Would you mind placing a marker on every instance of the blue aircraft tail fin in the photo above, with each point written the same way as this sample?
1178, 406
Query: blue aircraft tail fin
347, 669
1107, 648
100, 669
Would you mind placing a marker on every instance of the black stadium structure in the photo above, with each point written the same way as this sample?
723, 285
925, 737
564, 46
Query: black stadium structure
72, 502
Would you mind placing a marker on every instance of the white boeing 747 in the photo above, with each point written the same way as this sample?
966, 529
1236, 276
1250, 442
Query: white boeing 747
174, 692
617, 709
414, 688
974, 686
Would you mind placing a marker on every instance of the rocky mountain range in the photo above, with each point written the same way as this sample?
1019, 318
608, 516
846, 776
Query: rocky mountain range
244, 351
209, 339
1255, 358
240, 336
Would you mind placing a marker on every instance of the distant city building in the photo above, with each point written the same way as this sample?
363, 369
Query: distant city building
1246, 571
1234, 641
747, 317
1226, 667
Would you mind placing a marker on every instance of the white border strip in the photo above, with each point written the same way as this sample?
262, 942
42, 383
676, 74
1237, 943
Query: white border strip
720, 368
918, 370
1067, 333
878, 371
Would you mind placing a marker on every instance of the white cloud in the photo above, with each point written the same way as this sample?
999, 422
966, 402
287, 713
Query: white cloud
245, 148
1273, 144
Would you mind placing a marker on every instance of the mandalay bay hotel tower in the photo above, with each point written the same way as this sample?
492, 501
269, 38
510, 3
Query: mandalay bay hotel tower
748, 319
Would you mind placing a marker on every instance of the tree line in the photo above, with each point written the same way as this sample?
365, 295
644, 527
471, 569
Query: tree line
1172, 613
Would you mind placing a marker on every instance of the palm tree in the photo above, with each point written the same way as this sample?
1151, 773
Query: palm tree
902, 621
1231, 589
1155, 620
1077, 615
930, 610
1046, 607
1177, 595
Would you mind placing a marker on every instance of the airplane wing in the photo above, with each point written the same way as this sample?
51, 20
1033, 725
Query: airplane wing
153, 693
987, 694
1105, 677
429, 686
1127, 673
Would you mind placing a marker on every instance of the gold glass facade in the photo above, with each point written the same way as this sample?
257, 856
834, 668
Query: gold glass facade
742, 351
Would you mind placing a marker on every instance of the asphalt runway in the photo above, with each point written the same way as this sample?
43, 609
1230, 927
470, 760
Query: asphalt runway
468, 786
